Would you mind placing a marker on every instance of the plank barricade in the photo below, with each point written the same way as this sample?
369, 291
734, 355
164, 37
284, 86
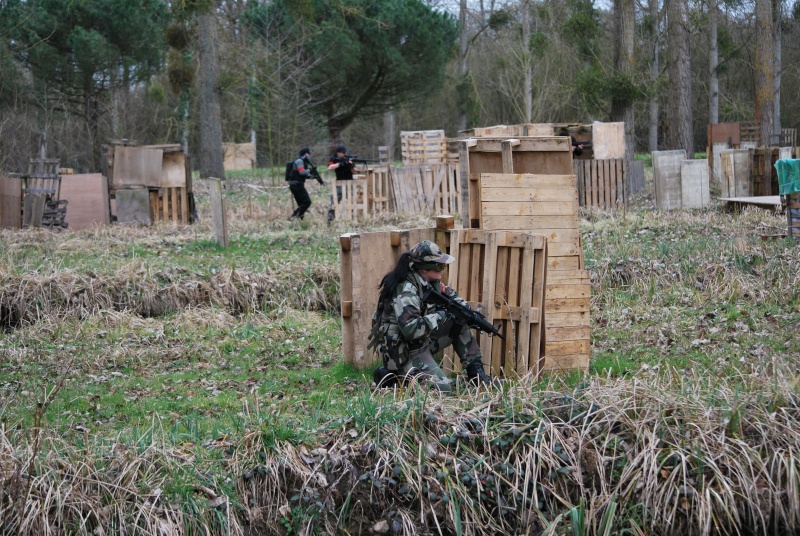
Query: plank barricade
351, 199
426, 189
423, 147
364, 258
567, 328
502, 275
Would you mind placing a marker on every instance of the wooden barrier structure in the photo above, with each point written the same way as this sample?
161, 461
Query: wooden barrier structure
364, 258
351, 199
527, 185
607, 184
502, 275
379, 190
423, 147
735, 172
764, 177
667, 178
426, 189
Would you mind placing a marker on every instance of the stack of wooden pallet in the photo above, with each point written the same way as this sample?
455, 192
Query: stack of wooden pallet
423, 147
527, 185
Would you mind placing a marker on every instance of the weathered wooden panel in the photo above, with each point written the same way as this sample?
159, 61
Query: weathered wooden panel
694, 184
137, 166
567, 321
87, 195
608, 140
133, 206
239, 156
735, 168
10, 202
667, 178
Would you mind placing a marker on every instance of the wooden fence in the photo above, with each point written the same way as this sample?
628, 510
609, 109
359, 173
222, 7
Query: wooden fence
426, 189
607, 184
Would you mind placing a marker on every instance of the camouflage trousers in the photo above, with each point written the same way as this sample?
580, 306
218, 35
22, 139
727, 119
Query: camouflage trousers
423, 367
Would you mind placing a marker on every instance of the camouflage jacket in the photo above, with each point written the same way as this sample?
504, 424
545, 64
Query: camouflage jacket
407, 318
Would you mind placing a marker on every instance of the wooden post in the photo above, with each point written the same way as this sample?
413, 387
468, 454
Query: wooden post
218, 211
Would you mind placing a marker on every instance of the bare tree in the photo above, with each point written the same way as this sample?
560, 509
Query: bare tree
713, 63
624, 41
210, 157
776, 83
764, 72
655, 71
679, 127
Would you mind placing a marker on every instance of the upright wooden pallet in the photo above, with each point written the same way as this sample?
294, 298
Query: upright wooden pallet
735, 171
354, 204
793, 215
169, 205
426, 189
502, 275
764, 179
667, 178
379, 190
602, 184
364, 259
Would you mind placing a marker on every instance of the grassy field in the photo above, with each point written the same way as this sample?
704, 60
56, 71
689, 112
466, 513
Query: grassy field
153, 383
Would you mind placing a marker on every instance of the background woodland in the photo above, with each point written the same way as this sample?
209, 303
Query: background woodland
287, 74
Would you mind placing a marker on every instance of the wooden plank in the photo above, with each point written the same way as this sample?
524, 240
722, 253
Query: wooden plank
504, 195
10, 203
346, 290
563, 263
530, 222
571, 347
218, 210
566, 305
568, 333
526, 180
694, 184
565, 363
33, 209
184, 206
526, 144
174, 212
507, 158
574, 318
87, 195
527, 208
564, 289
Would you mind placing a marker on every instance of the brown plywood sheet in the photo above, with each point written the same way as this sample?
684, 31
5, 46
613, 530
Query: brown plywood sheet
239, 156
10, 203
173, 170
137, 166
88, 200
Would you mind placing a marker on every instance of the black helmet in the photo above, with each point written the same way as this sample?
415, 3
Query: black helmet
304, 151
341, 149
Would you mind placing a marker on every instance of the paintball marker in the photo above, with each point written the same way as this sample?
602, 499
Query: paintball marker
462, 313
356, 160
315, 175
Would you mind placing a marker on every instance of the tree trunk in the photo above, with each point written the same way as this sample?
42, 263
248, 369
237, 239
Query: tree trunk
679, 96
652, 138
713, 64
463, 83
389, 135
778, 31
624, 41
210, 157
526, 44
764, 64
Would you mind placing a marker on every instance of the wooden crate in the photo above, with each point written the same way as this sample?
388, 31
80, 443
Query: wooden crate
426, 189
423, 147
541, 156
793, 215
567, 327
502, 275
364, 258
541, 204
354, 204
169, 205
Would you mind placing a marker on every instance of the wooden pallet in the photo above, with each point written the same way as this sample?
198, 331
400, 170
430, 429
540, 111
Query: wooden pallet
379, 190
354, 202
426, 189
364, 259
567, 315
423, 147
502, 275
793, 215
169, 205
602, 184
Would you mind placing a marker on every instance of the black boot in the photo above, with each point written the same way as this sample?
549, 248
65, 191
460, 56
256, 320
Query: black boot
383, 377
477, 376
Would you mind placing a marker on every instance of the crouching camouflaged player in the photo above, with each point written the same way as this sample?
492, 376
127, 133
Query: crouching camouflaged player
408, 332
